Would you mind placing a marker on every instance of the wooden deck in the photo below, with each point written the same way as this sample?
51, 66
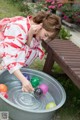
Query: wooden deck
67, 55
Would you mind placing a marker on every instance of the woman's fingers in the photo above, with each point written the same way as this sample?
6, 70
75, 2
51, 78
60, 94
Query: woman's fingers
24, 90
36, 28
27, 87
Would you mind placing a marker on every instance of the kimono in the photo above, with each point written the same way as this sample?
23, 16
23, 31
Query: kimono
14, 51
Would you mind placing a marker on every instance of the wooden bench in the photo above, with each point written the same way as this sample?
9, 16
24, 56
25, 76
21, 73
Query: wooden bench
67, 55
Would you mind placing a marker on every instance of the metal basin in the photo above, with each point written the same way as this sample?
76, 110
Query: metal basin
24, 106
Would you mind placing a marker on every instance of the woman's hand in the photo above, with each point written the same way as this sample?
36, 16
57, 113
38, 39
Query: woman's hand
26, 85
34, 29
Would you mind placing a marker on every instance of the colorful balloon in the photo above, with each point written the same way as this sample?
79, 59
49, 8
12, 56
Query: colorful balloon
44, 88
50, 105
3, 88
35, 81
27, 76
4, 94
38, 93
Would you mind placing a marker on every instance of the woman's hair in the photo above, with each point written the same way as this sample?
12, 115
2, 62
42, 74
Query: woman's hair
50, 22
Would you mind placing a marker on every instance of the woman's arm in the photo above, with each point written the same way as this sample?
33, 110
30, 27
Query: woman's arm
16, 38
1, 67
26, 85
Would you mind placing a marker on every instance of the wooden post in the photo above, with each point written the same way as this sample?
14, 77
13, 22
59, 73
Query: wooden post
48, 62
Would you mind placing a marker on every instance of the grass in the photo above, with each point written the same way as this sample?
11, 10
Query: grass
71, 108
8, 10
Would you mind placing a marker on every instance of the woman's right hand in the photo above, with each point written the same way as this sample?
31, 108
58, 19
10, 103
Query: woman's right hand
26, 86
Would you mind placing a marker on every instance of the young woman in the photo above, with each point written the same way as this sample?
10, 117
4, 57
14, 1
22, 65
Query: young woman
21, 41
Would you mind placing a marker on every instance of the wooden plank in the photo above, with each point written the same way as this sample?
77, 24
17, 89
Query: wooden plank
67, 55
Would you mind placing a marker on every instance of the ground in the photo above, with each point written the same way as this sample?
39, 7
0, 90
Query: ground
71, 108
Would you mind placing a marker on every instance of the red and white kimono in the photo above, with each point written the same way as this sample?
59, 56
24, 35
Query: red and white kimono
13, 49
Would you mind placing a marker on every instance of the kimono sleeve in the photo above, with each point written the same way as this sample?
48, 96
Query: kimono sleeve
11, 67
15, 34
40, 51
13, 43
11, 61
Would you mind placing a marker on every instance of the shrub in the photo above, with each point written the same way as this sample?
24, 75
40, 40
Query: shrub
64, 34
70, 12
53, 5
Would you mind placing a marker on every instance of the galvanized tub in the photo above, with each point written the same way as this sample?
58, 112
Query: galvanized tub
24, 106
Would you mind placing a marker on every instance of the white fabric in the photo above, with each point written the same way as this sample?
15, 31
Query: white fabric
13, 49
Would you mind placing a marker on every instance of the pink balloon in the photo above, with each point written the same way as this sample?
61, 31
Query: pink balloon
44, 88
4, 94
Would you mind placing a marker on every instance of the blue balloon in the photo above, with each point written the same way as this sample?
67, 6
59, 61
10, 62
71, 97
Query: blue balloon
27, 76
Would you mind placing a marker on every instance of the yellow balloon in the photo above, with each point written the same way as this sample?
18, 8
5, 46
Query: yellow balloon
50, 105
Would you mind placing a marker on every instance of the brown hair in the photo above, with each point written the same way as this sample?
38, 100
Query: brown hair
50, 22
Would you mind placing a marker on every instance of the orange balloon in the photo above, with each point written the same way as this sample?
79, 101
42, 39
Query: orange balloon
3, 88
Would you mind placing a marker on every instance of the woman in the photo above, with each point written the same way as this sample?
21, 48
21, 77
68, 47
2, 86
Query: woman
21, 42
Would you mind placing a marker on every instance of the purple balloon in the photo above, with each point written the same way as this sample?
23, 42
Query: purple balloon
38, 93
44, 88
26, 75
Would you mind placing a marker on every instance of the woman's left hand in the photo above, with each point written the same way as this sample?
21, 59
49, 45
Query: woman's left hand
34, 29
1, 67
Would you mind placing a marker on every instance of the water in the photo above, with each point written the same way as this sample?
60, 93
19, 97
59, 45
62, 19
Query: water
27, 100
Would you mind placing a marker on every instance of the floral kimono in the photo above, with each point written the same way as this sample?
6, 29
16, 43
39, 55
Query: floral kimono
14, 51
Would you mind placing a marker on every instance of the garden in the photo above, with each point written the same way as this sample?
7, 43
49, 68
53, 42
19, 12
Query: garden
69, 12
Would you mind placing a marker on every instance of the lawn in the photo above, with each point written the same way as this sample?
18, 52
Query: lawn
71, 108
8, 10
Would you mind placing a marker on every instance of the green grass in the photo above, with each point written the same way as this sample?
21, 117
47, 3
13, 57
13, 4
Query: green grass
37, 64
71, 108
8, 10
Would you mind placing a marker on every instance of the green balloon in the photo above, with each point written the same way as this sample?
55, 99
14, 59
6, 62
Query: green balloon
50, 105
35, 81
